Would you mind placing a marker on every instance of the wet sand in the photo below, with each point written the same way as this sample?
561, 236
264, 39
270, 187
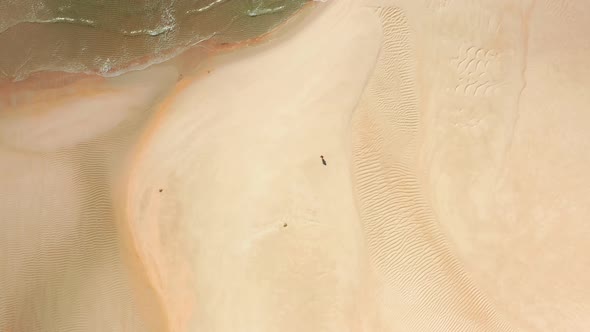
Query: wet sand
108, 38
191, 195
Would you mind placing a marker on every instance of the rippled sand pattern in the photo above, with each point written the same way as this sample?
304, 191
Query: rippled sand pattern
425, 286
63, 268
373, 165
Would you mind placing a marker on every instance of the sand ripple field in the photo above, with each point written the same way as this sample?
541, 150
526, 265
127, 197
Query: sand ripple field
371, 165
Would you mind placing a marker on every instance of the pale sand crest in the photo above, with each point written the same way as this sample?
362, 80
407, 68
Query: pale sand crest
454, 196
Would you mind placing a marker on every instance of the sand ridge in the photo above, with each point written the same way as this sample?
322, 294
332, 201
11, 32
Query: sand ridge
451, 194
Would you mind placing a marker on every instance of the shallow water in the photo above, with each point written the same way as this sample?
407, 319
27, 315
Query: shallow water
191, 195
109, 36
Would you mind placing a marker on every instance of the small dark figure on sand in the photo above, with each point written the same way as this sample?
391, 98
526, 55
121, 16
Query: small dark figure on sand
323, 161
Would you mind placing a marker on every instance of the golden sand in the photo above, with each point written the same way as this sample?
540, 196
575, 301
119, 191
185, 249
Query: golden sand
191, 196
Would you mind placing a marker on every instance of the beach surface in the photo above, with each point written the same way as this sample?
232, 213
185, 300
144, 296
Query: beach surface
372, 165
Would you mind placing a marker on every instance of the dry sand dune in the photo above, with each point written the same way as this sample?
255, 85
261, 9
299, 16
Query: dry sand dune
188, 197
